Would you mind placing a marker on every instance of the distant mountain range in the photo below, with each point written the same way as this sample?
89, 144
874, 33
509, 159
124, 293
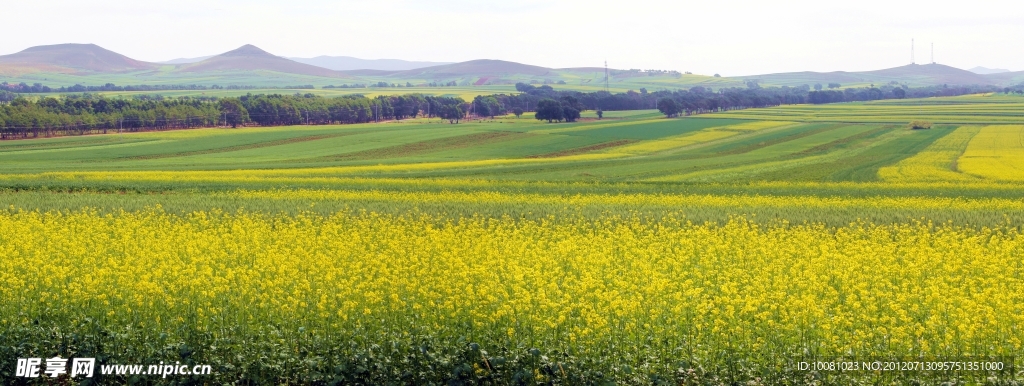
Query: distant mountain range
935, 74
339, 63
68, 59
251, 58
479, 67
93, 63
347, 63
186, 60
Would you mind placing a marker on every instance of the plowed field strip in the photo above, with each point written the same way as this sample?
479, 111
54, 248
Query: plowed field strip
584, 149
257, 145
433, 145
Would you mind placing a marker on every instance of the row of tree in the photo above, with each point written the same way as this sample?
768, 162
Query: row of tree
90, 113
276, 109
890, 92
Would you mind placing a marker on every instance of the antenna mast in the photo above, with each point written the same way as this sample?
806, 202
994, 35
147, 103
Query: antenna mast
933, 53
911, 51
606, 76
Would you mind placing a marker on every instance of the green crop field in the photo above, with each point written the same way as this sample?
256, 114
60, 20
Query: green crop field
968, 109
636, 249
467, 84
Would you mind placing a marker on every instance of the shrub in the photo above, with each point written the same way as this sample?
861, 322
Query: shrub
919, 125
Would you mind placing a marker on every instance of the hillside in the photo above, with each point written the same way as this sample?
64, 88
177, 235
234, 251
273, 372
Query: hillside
986, 71
1006, 78
186, 60
927, 73
347, 63
913, 74
482, 67
70, 59
251, 58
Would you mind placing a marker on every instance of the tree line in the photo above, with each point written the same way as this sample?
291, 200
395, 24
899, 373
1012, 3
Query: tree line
79, 114
892, 92
76, 114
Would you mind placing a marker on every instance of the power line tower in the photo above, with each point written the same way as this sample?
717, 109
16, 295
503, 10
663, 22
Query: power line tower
606, 76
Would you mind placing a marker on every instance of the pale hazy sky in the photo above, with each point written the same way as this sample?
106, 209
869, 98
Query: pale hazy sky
705, 37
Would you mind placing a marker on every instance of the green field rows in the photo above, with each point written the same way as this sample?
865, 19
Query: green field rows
629, 147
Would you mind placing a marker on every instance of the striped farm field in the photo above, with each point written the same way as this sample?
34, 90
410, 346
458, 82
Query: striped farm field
937, 162
716, 249
996, 152
969, 109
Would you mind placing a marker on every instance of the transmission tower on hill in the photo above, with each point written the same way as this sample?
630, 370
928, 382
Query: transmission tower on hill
606, 76
912, 51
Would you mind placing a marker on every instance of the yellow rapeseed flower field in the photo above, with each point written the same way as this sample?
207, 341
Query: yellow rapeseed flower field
996, 152
634, 297
936, 163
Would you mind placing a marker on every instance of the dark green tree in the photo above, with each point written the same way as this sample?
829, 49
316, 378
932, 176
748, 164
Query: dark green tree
523, 87
453, 113
570, 114
550, 110
571, 108
486, 106
233, 112
669, 107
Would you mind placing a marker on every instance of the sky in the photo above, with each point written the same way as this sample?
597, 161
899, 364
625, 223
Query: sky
732, 38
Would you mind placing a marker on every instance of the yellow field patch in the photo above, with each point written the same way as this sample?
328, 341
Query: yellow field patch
996, 152
288, 174
937, 162
878, 290
635, 199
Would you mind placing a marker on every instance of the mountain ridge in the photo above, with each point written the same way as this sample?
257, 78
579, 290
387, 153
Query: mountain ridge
252, 58
186, 60
349, 63
94, 61
932, 74
70, 58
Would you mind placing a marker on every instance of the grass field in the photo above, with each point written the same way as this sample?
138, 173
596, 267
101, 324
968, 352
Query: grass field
717, 249
585, 82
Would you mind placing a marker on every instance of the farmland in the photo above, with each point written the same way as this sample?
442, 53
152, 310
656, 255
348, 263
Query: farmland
635, 249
